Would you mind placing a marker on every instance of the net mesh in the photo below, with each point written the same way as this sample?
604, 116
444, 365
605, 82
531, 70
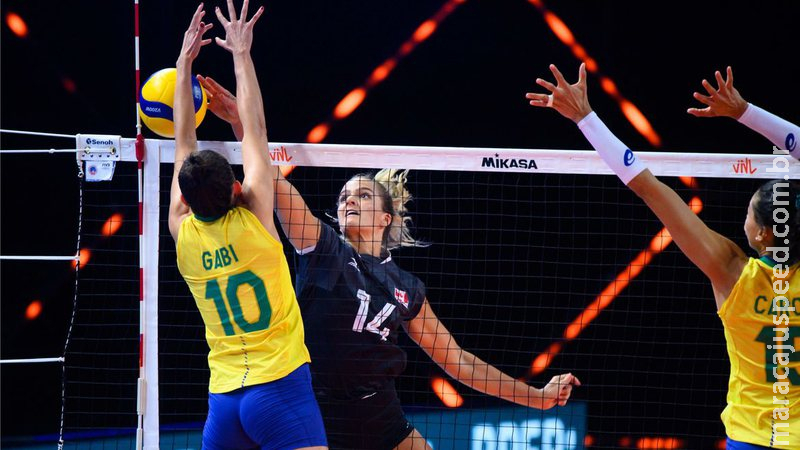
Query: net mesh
515, 259
101, 362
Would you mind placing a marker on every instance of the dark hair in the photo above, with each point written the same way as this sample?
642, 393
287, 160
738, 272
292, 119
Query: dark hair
206, 180
780, 199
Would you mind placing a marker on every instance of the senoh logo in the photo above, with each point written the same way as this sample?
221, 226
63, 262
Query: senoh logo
497, 162
744, 166
629, 157
280, 154
791, 142
92, 141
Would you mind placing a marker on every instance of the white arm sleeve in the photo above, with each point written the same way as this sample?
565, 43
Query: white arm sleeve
617, 156
780, 132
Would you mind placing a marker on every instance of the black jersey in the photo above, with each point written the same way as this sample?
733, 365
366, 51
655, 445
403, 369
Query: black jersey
352, 306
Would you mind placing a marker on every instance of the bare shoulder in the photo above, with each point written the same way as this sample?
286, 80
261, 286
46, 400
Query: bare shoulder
729, 274
175, 221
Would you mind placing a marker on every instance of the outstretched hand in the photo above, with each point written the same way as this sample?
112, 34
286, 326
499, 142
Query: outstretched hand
558, 390
238, 32
570, 100
724, 101
220, 100
193, 37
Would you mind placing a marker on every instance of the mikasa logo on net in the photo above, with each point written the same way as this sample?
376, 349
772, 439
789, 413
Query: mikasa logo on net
508, 163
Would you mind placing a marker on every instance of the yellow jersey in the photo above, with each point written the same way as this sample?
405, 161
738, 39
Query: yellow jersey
761, 336
242, 286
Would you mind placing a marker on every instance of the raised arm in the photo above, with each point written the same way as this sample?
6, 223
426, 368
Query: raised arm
725, 101
185, 135
258, 185
432, 336
719, 258
297, 221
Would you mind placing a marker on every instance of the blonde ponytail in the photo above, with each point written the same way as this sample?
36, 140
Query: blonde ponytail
399, 233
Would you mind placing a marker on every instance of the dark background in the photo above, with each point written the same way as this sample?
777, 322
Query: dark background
464, 86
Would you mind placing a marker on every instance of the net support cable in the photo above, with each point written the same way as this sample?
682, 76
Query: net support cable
39, 258
37, 133
32, 360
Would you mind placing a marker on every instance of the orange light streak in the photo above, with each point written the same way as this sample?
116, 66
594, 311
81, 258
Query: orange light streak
446, 392
560, 29
544, 359
588, 440
83, 258
565, 35
356, 97
318, 133
381, 72
659, 443
425, 30
640, 122
660, 241
690, 182
579, 51
112, 225
349, 103
608, 85
17, 25
33, 310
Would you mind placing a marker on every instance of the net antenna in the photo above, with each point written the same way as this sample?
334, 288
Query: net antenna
146, 412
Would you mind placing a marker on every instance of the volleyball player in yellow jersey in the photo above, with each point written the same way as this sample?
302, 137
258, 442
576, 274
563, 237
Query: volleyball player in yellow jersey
260, 393
758, 300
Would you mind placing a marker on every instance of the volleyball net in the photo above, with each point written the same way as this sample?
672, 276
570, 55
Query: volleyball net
541, 262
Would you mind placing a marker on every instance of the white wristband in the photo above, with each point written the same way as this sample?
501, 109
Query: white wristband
617, 156
780, 132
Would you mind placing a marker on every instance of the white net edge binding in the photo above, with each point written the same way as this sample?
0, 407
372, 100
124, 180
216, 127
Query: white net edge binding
471, 159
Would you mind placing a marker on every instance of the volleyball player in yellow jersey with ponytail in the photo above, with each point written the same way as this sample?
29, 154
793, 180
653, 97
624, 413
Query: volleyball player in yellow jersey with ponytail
260, 393
758, 300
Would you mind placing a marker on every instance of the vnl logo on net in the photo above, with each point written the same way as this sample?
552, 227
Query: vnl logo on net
744, 166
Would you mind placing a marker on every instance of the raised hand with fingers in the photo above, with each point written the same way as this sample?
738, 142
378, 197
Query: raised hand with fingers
570, 100
723, 101
193, 37
558, 390
220, 100
238, 31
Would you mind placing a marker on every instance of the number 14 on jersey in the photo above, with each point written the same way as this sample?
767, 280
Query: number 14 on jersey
374, 325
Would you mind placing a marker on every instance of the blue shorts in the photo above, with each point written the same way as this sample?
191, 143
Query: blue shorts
730, 444
279, 415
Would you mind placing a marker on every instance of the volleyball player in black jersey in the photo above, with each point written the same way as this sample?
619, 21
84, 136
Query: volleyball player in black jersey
354, 300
